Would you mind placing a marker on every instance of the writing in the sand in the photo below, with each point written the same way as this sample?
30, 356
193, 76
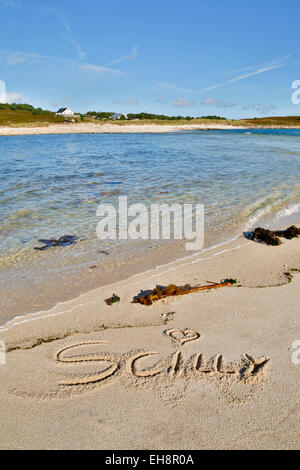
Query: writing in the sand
175, 365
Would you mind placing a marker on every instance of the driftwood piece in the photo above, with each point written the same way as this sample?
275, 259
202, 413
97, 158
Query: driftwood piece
161, 292
272, 237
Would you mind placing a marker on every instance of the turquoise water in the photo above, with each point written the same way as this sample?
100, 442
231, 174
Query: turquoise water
51, 185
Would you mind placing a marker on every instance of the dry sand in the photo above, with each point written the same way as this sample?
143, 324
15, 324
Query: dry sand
206, 370
91, 128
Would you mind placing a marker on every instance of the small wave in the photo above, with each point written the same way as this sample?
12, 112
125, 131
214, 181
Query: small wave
261, 208
290, 210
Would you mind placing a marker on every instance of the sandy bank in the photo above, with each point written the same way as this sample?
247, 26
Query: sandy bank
91, 128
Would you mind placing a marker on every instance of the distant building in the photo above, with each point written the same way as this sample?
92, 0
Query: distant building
118, 116
64, 112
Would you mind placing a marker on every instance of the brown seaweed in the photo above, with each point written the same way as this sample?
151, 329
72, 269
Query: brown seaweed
161, 292
111, 300
272, 237
62, 241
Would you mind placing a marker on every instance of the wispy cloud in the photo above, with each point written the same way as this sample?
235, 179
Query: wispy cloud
262, 108
174, 87
19, 57
217, 102
131, 101
183, 102
10, 3
134, 52
161, 100
70, 37
262, 69
61, 16
98, 70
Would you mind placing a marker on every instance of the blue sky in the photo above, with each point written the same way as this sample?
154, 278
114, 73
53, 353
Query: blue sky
198, 57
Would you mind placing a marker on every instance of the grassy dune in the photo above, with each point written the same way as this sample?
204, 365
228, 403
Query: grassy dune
27, 116
289, 121
22, 117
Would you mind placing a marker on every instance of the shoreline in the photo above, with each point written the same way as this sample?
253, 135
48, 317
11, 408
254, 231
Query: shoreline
185, 264
91, 128
50, 282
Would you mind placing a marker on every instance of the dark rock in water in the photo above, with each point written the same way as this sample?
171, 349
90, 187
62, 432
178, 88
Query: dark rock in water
62, 241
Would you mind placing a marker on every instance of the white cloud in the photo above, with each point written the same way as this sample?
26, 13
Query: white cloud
49, 10
262, 69
14, 98
217, 102
19, 57
262, 108
161, 100
99, 71
124, 58
172, 86
182, 102
9, 3
70, 37
131, 101
231, 73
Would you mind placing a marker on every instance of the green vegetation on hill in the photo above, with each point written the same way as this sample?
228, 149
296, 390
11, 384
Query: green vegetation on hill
27, 115
292, 121
14, 114
149, 116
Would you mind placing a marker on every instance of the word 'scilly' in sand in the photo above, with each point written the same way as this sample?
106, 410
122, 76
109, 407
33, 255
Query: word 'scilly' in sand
128, 367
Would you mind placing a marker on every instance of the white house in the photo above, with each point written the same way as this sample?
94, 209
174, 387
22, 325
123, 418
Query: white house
118, 116
64, 112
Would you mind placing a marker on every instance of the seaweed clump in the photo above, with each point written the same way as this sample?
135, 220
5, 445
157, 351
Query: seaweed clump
272, 237
115, 298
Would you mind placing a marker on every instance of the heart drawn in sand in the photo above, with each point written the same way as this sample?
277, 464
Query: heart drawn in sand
182, 336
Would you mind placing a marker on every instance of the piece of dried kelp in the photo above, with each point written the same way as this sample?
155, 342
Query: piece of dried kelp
160, 292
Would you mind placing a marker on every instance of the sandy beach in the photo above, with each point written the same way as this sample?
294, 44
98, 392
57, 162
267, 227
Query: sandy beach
91, 128
116, 128
205, 370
